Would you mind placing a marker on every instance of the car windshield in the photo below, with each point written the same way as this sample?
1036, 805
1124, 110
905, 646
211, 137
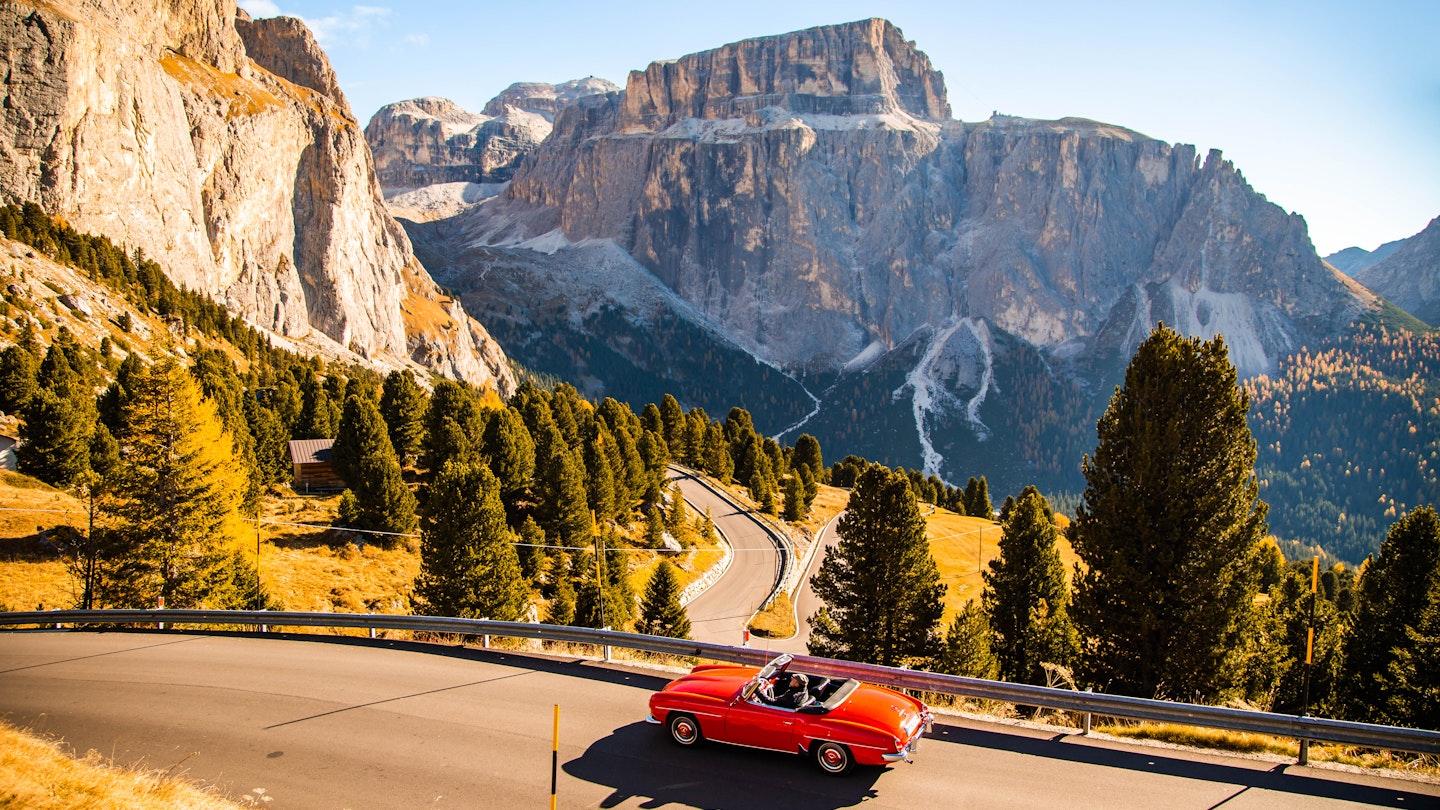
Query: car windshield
778, 665
766, 672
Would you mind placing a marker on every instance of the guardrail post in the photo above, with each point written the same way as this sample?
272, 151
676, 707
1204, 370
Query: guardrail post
1085, 731
485, 641
607, 646
1304, 752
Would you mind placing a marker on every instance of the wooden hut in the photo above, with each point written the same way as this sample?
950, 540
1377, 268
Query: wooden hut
310, 460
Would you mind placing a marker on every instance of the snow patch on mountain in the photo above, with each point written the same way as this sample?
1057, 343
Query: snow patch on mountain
958, 358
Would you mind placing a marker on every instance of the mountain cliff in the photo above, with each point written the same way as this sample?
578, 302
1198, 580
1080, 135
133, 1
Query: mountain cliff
947, 295
224, 149
429, 141
1409, 274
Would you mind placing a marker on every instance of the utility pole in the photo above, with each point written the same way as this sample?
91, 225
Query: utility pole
259, 601
599, 578
1310, 653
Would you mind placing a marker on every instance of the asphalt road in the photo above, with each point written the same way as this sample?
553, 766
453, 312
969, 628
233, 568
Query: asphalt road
806, 602
721, 613
353, 723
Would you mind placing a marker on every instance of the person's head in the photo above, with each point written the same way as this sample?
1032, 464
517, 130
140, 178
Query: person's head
798, 681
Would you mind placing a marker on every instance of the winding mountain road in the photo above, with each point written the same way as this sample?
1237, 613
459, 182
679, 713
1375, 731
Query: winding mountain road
722, 612
355, 723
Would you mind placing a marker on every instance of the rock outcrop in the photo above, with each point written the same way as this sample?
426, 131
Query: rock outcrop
426, 141
429, 141
545, 100
224, 149
1409, 275
810, 195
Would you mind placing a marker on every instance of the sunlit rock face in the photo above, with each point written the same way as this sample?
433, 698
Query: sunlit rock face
429, 141
223, 148
809, 194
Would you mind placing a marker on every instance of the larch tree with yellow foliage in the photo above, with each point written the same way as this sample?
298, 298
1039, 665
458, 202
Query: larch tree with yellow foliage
178, 490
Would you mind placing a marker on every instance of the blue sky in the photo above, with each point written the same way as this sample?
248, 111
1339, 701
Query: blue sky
1331, 109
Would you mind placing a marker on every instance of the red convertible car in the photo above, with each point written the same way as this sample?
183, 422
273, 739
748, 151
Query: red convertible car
839, 723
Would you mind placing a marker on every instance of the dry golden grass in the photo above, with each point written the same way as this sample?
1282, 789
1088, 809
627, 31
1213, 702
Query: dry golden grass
962, 547
242, 96
777, 620
37, 775
29, 506
32, 576
1250, 743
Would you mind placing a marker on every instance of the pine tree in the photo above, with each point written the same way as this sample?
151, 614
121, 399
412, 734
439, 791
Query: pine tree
654, 529
179, 492
315, 420
454, 426
795, 506
613, 578
510, 452
468, 565
807, 453
672, 426
1169, 523
677, 521
532, 548
881, 589
55, 437
1397, 587
569, 510
403, 404
18, 379
1025, 595
981, 506
718, 462
270, 442
562, 604
967, 648
600, 481
362, 455
661, 613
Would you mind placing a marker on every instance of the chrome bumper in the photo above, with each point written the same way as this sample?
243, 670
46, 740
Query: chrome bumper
650, 718
907, 754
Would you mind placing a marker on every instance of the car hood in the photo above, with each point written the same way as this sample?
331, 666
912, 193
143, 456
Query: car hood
718, 682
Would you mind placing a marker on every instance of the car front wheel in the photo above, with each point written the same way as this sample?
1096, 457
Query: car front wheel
833, 758
684, 729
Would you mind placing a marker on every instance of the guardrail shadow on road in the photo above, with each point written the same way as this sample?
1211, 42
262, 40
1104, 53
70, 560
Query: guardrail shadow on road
548, 661
1085, 751
639, 761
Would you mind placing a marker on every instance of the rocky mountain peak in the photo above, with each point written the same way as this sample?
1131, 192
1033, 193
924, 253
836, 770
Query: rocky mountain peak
544, 99
233, 161
857, 68
285, 47
1409, 274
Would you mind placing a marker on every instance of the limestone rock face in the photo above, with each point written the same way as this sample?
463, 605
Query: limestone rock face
545, 100
808, 193
246, 178
1409, 276
431, 140
860, 68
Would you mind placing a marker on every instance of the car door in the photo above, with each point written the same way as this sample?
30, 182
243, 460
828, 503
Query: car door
758, 725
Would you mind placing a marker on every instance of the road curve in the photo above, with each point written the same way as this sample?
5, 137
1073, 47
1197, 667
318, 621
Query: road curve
805, 600
354, 723
721, 613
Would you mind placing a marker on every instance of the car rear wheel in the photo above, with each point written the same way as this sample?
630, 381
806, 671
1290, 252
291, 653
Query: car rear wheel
833, 758
684, 729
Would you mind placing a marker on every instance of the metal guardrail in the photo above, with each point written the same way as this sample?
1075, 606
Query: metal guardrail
1305, 728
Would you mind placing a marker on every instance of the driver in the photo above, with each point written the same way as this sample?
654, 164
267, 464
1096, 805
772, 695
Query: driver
798, 690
